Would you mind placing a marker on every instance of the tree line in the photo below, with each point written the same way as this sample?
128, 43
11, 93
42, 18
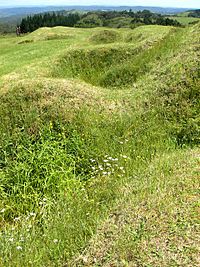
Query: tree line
94, 19
32, 23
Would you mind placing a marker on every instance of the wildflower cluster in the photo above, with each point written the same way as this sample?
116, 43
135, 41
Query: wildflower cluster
10, 236
108, 166
11, 239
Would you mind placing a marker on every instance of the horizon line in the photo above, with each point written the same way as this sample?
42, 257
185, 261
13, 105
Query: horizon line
27, 6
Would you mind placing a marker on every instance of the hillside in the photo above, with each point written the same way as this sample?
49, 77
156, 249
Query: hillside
188, 17
190, 13
99, 147
185, 20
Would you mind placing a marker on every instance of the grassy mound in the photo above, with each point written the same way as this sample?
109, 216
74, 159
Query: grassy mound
39, 107
148, 33
105, 36
45, 34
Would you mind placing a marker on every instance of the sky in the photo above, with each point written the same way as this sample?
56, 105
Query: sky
160, 3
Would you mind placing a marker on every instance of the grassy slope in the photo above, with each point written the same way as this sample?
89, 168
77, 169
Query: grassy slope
134, 203
184, 20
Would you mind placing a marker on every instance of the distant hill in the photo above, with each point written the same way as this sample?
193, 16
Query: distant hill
187, 17
190, 13
194, 13
23, 11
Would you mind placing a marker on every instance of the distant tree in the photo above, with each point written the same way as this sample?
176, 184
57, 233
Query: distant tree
92, 20
6, 28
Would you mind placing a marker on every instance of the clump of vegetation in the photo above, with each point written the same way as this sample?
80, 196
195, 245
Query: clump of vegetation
46, 34
89, 21
25, 41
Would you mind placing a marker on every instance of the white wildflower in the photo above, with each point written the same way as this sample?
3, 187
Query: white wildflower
55, 241
19, 248
85, 260
100, 168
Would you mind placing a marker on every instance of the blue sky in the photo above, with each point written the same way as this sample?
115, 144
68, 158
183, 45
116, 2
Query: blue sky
164, 3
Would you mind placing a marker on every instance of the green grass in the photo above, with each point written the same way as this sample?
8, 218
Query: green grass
184, 20
99, 147
109, 66
156, 222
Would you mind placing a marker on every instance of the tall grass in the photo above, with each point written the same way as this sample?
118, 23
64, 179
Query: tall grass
119, 66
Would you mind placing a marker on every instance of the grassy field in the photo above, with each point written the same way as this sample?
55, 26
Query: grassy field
99, 147
185, 20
